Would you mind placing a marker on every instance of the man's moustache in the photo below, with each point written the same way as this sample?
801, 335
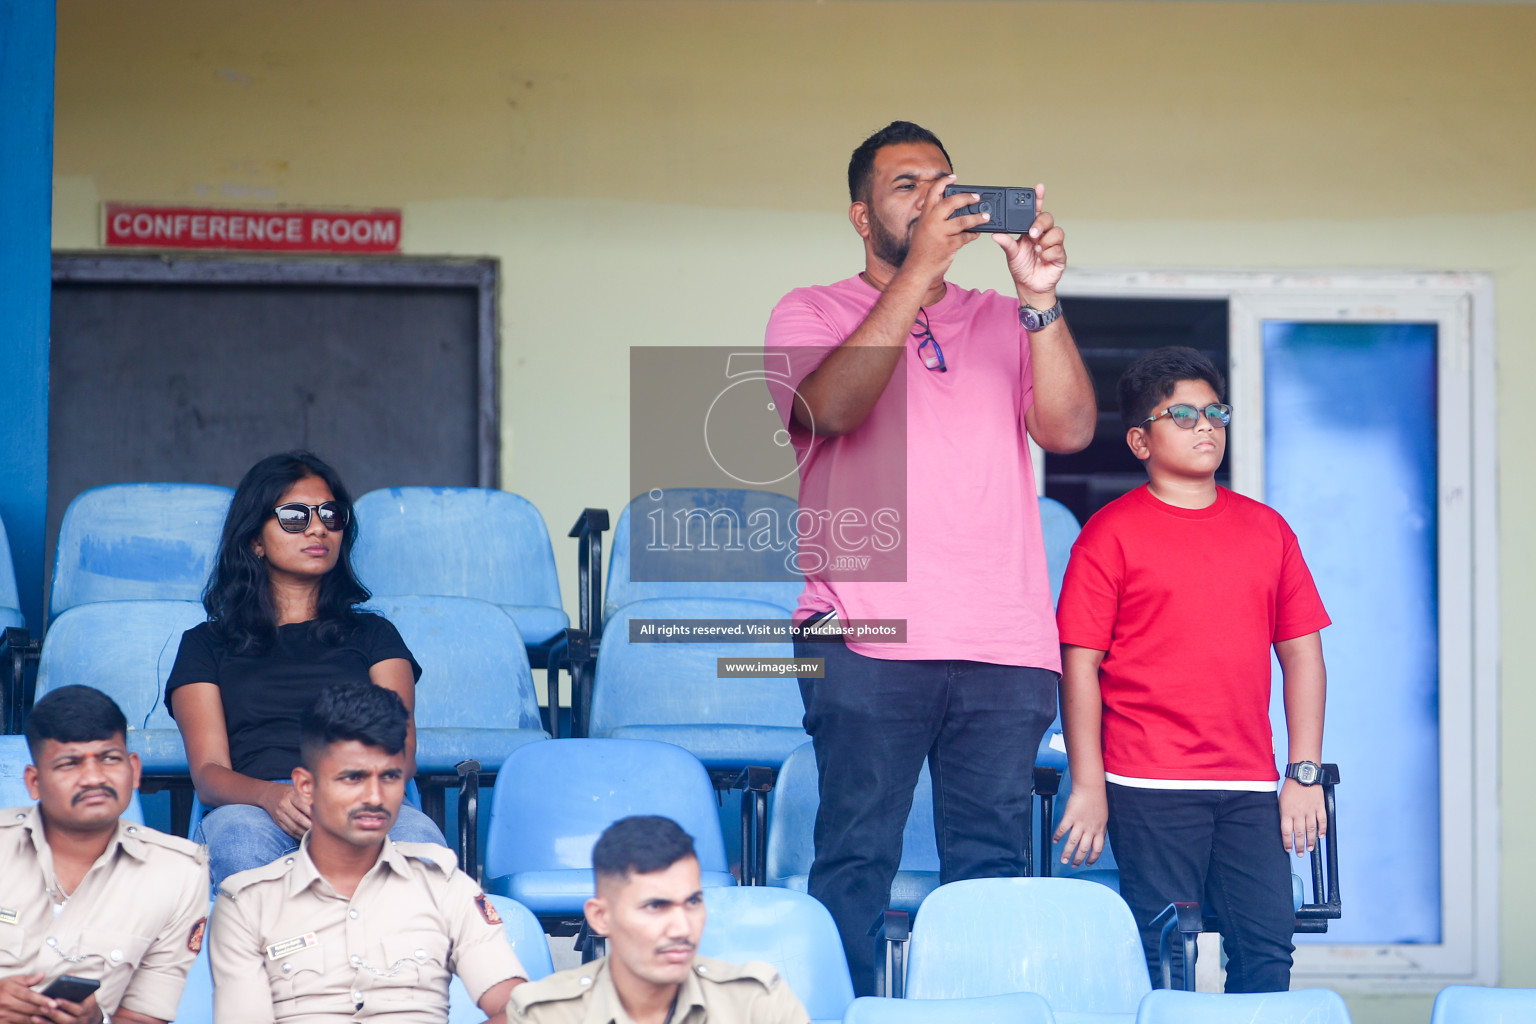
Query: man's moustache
108, 790
368, 810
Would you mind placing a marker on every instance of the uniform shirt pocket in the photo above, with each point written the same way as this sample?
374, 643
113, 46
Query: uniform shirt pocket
295, 974
412, 960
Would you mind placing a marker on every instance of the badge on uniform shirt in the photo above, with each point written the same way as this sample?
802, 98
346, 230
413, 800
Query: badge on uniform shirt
9, 916
288, 947
195, 937
487, 911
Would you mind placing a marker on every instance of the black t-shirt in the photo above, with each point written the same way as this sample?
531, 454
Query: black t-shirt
264, 695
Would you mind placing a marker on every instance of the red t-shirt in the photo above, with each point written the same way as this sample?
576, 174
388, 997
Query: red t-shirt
1186, 603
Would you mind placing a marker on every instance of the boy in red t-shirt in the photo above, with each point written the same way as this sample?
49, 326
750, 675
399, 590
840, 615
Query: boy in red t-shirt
1172, 600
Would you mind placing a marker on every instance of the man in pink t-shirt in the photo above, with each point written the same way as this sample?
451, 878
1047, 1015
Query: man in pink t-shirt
910, 403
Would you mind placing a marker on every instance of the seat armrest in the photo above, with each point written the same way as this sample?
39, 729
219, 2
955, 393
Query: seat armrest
755, 781
469, 817
1326, 904
18, 651
891, 931
588, 531
1047, 785
1186, 919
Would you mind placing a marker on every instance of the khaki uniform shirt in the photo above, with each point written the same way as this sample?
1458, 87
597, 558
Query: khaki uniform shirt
713, 993
135, 922
286, 946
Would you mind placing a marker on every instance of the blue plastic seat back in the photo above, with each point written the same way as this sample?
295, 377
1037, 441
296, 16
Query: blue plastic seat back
553, 799
14, 758
474, 669
787, 929
792, 806
126, 650
1011, 1008
461, 542
1070, 941
10, 598
1474, 1004
697, 542
529, 943
138, 542
1303, 1006
1060, 529
640, 682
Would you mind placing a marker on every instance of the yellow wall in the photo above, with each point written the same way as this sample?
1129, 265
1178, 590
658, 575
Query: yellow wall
660, 173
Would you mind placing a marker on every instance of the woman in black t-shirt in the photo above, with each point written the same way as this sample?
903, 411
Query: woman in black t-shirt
281, 626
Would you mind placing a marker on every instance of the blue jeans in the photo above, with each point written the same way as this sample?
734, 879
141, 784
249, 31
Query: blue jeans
243, 836
873, 722
1218, 848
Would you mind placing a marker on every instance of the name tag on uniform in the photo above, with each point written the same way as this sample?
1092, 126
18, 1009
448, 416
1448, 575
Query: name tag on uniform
9, 916
288, 947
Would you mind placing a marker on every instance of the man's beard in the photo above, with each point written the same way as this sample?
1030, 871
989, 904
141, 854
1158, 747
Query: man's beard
887, 246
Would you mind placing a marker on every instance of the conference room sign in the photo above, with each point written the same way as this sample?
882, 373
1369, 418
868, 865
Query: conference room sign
129, 225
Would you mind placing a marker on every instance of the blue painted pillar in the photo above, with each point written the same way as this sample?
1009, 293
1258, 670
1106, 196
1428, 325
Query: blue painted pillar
26, 197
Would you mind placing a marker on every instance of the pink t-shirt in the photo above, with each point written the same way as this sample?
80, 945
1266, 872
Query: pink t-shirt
927, 511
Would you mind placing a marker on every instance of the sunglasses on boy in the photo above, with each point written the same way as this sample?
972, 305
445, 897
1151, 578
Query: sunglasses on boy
294, 516
1219, 414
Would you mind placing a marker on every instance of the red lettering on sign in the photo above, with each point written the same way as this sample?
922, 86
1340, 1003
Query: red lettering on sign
159, 227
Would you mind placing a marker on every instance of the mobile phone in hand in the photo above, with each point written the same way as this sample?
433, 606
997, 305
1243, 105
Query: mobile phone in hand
71, 989
1012, 209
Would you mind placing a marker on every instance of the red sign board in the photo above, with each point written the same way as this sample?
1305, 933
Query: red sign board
195, 227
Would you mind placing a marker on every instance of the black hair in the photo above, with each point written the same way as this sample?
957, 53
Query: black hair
640, 844
1155, 375
862, 164
372, 715
73, 714
238, 597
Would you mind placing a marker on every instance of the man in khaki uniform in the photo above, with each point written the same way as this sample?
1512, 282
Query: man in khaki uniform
650, 905
353, 925
84, 893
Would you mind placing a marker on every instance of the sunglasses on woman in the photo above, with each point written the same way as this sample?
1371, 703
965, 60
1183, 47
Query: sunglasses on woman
1219, 414
294, 516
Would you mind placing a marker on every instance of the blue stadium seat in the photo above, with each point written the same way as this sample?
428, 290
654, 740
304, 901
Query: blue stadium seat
789, 930
1072, 942
138, 542
1304, 1006
553, 799
670, 691
791, 833
1474, 1004
14, 758
1060, 529
196, 1006
528, 942
10, 599
475, 701
716, 562
126, 650
1011, 1008
462, 542
475, 698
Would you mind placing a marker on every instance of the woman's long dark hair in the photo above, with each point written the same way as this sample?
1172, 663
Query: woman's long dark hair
239, 594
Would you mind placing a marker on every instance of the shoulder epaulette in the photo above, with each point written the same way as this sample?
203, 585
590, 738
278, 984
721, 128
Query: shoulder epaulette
431, 853
721, 972
558, 987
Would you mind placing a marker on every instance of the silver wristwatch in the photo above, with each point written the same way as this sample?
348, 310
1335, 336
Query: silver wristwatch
1033, 319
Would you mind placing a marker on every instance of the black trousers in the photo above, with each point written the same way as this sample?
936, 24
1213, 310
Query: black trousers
1220, 848
873, 722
